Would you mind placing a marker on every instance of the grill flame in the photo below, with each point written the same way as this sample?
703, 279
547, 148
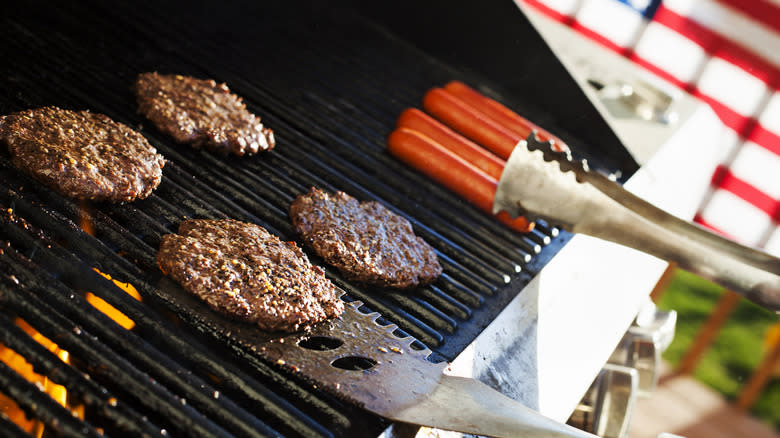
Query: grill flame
25, 369
109, 310
85, 222
19, 364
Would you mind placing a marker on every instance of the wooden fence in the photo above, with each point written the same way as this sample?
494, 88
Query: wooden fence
769, 366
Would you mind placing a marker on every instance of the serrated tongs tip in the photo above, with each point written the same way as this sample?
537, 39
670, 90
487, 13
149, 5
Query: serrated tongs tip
539, 182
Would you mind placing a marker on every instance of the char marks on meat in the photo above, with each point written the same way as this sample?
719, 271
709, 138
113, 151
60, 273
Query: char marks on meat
365, 241
82, 155
243, 271
202, 113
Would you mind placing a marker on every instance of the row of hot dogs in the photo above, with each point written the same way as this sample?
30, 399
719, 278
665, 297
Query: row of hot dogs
462, 141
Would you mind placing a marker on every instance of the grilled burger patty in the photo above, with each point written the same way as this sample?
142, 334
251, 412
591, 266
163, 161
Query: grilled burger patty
244, 272
201, 112
365, 241
82, 155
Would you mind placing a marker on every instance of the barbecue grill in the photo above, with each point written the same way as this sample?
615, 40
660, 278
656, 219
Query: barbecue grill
331, 81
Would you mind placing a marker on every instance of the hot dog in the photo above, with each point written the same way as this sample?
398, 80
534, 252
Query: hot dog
473, 124
450, 170
417, 120
502, 115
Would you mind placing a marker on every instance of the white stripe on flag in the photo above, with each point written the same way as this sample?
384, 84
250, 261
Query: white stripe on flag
611, 19
758, 167
770, 117
671, 52
565, 7
729, 144
732, 86
736, 217
772, 245
731, 24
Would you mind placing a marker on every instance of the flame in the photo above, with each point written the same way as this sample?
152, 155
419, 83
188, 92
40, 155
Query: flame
18, 363
25, 369
85, 222
85, 219
110, 310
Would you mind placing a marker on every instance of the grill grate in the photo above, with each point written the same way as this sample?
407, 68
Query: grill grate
331, 85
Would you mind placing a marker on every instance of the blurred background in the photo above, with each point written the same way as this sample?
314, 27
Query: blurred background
722, 368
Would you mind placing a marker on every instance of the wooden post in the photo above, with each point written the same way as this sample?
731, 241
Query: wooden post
708, 331
663, 283
752, 389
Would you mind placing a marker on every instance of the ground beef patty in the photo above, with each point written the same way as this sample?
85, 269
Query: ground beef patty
243, 271
201, 112
365, 241
82, 155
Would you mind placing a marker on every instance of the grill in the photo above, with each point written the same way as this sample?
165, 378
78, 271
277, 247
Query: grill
330, 82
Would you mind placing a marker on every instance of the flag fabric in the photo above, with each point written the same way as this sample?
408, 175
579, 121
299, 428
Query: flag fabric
727, 54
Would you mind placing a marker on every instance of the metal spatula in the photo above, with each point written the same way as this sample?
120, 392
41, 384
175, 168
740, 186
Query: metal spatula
365, 363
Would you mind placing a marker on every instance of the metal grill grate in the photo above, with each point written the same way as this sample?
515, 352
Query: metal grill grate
331, 86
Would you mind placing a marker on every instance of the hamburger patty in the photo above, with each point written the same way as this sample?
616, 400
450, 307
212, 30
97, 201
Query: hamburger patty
242, 271
82, 155
201, 112
365, 241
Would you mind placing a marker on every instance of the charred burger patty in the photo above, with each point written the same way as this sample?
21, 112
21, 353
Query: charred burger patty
365, 241
241, 270
81, 154
201, 112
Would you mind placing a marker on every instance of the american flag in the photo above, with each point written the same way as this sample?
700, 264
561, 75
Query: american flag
727, 54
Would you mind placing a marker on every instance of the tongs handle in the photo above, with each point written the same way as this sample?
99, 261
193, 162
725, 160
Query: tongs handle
538, 184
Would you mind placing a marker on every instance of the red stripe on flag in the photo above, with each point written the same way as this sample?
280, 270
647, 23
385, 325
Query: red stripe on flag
734, 120
750, 62
725, 180
717, 45
577, 26
550, 12
690, 88
739, 123
694, 31
719, 175
764, 12
597, 37
765, 138
710, 41
700, 220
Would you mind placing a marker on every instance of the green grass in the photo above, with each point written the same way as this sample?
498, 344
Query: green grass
737, 350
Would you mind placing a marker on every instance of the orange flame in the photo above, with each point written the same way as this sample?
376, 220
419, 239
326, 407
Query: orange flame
111, 311
25, 369
85, 222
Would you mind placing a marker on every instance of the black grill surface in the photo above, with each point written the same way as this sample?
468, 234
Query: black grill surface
330, 83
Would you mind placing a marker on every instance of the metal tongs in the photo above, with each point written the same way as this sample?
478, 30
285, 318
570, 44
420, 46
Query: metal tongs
540, 182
